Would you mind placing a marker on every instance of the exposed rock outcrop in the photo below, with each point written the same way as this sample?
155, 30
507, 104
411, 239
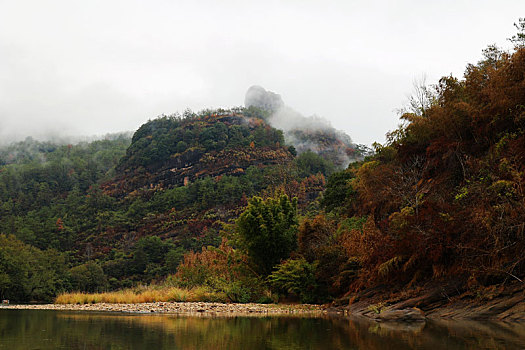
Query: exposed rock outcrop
503, 304
313, 133
257, 96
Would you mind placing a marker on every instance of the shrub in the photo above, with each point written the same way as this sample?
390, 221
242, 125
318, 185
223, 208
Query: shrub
297, 277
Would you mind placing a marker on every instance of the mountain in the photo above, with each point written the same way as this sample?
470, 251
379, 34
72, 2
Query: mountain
135, 206
257, 196
174, 151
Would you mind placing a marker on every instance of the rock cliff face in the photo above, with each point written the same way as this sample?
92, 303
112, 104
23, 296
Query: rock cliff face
225, 143
195, 164
505, 303
313, 133
257, 96
331, 144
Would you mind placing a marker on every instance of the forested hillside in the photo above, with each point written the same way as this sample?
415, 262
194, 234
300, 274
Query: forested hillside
218, 200
443, 200
440, 205
117, 212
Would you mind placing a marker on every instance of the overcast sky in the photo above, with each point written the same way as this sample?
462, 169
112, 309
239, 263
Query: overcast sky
92, 67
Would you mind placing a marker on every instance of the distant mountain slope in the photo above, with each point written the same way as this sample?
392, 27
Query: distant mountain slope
31, 150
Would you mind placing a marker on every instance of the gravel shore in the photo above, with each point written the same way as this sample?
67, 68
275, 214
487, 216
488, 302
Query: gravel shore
186, 308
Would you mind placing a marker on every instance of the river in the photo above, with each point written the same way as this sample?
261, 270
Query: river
44, 329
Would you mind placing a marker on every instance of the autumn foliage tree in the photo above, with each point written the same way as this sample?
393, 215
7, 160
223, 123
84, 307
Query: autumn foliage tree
222, 269
445, 195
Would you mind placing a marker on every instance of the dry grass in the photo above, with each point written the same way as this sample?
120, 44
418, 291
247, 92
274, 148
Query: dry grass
141, 295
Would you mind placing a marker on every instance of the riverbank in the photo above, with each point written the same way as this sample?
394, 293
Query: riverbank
418, 305
503, 303
183, 308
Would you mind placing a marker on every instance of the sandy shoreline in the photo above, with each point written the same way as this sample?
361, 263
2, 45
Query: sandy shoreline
183, 308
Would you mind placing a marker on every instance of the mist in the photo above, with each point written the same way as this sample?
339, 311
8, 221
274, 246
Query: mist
91, 68
313, 133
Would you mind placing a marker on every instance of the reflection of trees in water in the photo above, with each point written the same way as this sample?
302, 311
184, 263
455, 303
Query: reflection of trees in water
436, 335
52, 329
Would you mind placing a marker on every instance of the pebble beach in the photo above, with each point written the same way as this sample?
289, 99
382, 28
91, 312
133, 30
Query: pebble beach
183, 308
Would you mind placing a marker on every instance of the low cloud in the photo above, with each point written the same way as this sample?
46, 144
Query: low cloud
312, 133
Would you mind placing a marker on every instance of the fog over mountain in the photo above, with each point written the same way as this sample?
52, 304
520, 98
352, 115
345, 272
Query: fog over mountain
312, 133
96, 67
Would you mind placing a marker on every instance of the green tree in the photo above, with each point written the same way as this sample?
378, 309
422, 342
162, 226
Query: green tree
29, 274
181, 146
337, 190
48, 275
14, 269
310, 163
174, 258
154, 248
88, 277
295, 276
268, 230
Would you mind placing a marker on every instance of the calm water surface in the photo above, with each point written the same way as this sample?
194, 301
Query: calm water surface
35, 329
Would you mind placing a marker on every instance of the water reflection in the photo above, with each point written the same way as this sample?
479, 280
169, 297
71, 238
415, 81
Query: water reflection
31, 329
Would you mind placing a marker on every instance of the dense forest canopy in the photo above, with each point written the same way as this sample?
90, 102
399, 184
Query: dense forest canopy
218, 200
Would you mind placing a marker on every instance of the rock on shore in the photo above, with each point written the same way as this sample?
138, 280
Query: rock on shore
187, 308
449, 302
